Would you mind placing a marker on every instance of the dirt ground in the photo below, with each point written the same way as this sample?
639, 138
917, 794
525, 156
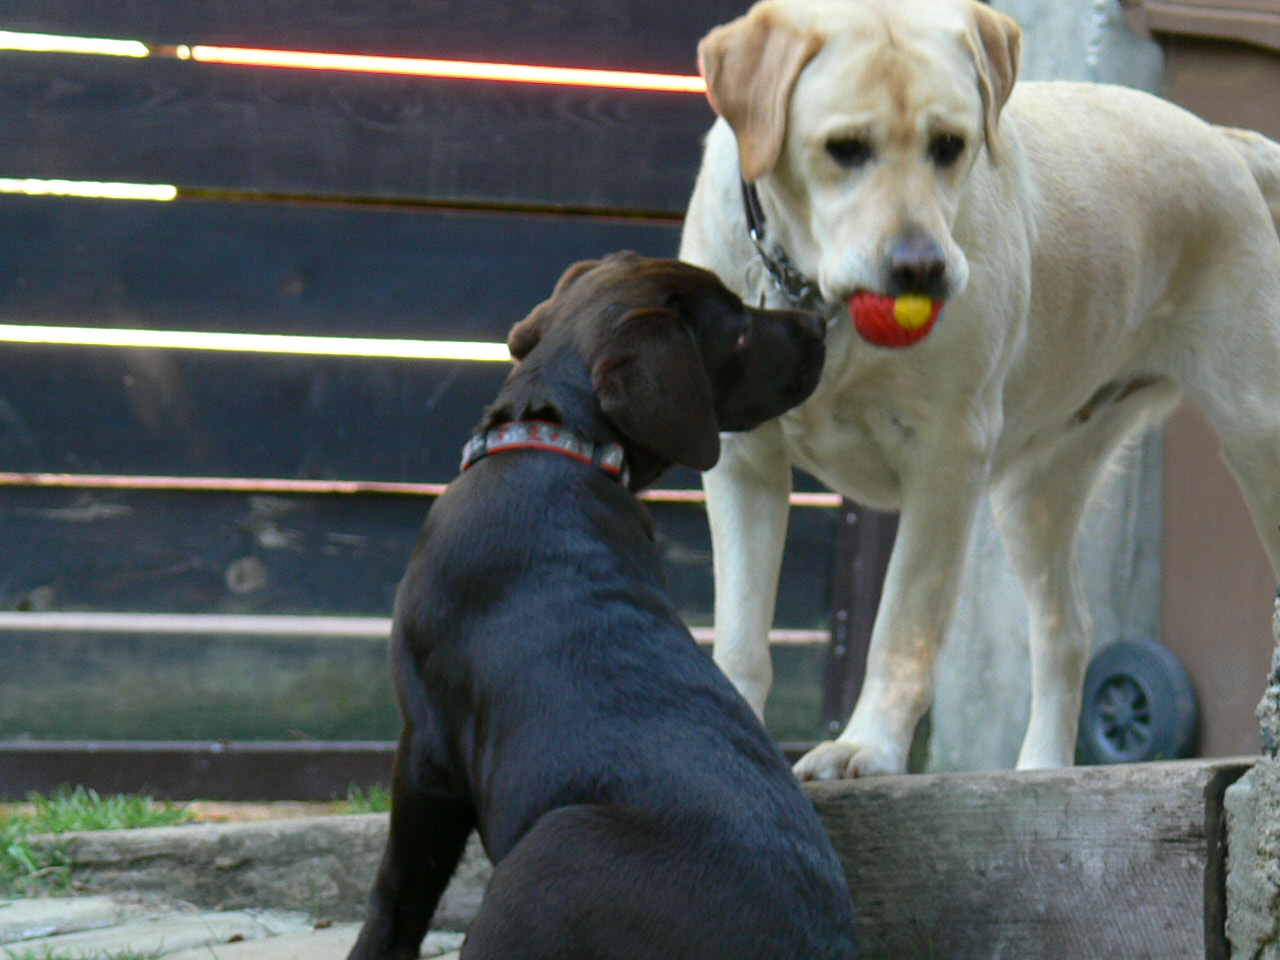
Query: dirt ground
219, 811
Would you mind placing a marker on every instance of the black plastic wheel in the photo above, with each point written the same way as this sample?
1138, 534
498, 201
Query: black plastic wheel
1138, 705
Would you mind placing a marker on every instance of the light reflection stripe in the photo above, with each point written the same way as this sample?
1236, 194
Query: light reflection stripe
99, 481
448, 69
92, 189
269, 625
53, 43
359, 63
470, 350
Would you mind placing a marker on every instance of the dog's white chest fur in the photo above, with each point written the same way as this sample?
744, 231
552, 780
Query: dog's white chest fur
862, 427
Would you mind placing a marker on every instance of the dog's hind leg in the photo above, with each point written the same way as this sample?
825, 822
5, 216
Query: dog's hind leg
563, 891
428, 833
1039, 505
1234, 357
1254, 458
604, 882
1246, 417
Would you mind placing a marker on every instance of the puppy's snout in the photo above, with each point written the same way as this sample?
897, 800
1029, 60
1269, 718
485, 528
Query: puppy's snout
816, 325
917, 264
809, 325
797, 324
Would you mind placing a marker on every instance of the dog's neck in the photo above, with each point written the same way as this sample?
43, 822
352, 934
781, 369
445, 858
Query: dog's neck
797, 289
545, 435
554, 387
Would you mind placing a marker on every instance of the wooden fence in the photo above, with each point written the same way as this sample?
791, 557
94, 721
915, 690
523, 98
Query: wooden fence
331, 203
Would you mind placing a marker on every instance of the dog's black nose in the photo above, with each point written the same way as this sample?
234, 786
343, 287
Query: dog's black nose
916, 264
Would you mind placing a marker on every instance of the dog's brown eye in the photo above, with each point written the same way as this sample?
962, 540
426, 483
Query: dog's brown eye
849, 152
945, 149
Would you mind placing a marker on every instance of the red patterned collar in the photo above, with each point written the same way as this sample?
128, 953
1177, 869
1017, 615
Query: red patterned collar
544, 435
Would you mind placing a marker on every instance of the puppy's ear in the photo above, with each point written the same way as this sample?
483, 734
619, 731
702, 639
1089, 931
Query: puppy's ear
524, 336
650, 381
996, 45
750, 66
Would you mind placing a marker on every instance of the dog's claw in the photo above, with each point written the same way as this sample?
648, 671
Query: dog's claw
839, 760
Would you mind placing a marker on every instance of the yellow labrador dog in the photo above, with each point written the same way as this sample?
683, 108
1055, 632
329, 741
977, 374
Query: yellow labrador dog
1097, 253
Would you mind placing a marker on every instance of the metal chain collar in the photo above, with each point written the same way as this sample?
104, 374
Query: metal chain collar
798, 289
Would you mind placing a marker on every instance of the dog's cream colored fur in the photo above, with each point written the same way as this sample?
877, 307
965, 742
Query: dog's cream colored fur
1105, 253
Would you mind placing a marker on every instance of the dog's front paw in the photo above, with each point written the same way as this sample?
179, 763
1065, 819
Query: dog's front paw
839, 760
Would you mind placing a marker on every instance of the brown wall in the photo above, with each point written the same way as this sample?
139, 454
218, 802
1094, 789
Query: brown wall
1217, 582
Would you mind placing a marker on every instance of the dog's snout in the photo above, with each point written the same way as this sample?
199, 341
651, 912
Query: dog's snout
796, 323
811, 324
916, 264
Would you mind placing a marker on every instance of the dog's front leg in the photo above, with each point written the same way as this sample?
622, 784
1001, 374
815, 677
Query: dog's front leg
428, 833
916, 606
748, 496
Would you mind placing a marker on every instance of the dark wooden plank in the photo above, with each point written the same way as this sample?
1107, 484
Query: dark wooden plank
119, 687
233, 553
151, 412
294, 269
1083, 862
246, 128
120, 411
176, 770
205, 552
656, 35
189, 771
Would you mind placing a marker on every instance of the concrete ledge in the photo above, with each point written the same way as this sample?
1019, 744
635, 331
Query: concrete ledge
323, 866
1076, 864
1253, 880
1253, 831
1087, 862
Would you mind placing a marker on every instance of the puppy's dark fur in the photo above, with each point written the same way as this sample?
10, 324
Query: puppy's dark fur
632, 803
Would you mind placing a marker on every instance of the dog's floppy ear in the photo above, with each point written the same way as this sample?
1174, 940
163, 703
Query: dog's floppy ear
996, 45
524, 336
750, 66
649, 378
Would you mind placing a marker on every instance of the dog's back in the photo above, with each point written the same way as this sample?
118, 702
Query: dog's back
1262, 155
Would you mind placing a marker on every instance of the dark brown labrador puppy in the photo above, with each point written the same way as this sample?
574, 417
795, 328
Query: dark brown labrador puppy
631, 801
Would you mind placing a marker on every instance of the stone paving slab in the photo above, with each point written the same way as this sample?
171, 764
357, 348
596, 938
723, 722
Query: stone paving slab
50, 916
98, 927
329, 944
332, 943
170, 933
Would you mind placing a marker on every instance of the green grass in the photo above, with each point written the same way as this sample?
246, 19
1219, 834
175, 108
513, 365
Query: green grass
377, 799
80, 809
27, 867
